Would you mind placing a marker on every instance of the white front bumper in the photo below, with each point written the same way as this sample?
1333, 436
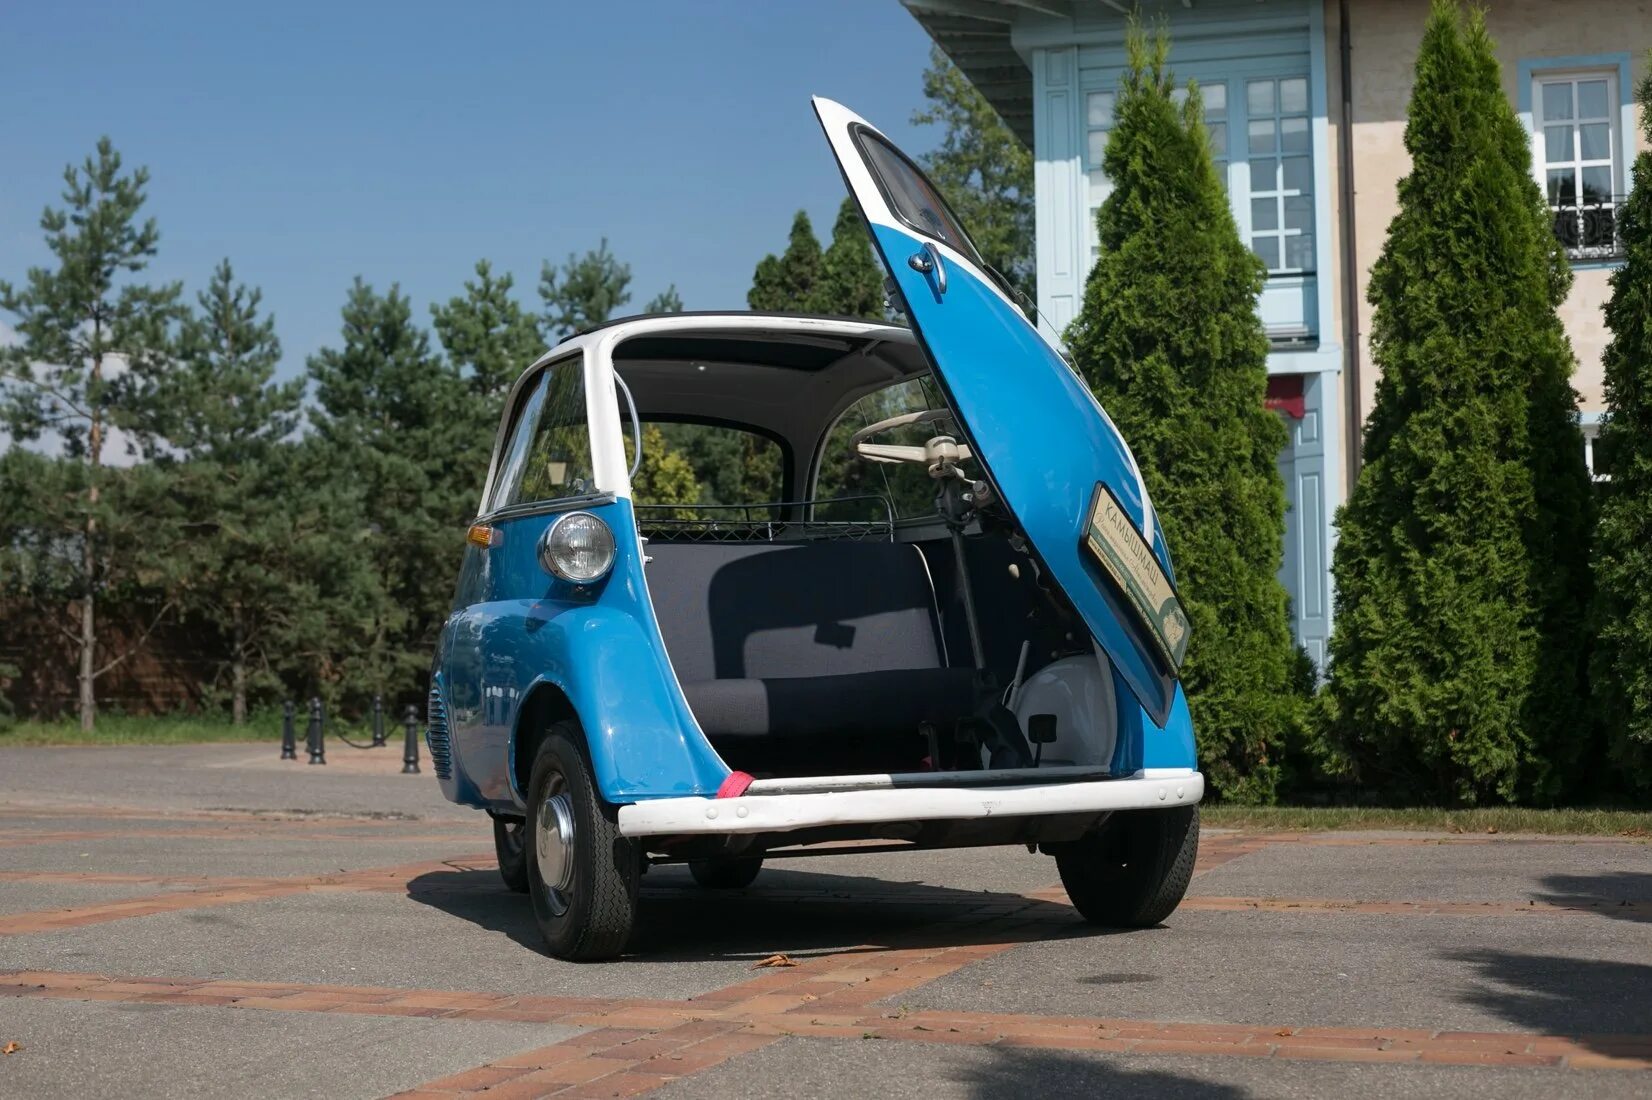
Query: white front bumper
1159, 788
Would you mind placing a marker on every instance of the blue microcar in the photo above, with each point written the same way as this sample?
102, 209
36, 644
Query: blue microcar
747, 584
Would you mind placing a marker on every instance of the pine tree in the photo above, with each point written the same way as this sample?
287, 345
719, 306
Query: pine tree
88, 337
489, 337
1623, 549
1446, 567
391, 415
787, 281
850, 282
227, 419
983, 169
1170, 342
587, 291
666, 301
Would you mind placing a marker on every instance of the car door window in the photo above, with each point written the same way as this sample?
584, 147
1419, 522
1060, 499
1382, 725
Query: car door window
548, 454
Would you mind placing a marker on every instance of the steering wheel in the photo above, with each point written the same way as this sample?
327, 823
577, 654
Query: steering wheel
861, 443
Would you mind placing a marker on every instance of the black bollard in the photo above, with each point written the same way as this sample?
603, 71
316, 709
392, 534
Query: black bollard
314, 728
289, 744
378, 721
318, 735
410, 754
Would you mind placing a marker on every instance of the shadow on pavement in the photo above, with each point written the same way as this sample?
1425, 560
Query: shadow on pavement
1621, 895
799, 913
481, 898
1054, 1073
1565, 996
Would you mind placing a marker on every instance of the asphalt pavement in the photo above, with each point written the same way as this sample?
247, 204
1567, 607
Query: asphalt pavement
204, 920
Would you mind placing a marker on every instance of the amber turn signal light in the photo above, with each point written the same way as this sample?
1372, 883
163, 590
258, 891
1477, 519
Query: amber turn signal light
480, 534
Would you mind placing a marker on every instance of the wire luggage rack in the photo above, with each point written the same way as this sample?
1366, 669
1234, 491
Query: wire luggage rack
764, 522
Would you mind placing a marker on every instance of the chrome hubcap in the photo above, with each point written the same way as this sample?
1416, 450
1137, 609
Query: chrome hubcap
554, 843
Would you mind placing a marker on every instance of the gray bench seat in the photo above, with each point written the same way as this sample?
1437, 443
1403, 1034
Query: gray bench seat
821, 640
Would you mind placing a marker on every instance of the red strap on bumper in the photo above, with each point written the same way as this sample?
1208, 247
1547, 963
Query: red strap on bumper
734, 786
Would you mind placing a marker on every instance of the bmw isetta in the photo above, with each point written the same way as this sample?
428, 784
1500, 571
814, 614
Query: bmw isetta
923, 602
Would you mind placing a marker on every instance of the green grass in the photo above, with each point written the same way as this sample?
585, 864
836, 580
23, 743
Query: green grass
1496, 819
121, 729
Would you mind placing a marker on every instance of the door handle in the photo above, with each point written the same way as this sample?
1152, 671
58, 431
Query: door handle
929, 263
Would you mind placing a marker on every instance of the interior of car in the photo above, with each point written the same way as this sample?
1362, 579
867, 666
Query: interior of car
865, 605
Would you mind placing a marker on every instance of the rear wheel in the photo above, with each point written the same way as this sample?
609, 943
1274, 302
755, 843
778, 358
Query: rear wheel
1133, 872
510, 845
582, 874
725, 874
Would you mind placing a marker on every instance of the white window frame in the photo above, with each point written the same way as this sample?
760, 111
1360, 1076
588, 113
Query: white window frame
1277, 195
1597, 219
1613, 161
1233, 166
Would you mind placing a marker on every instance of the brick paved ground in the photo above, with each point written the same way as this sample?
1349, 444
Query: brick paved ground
195, 921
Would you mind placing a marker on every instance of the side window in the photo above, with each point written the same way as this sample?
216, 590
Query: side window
708, 464
548, 455
907, 486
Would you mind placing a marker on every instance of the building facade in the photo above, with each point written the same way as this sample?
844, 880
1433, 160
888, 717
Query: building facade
1306, 102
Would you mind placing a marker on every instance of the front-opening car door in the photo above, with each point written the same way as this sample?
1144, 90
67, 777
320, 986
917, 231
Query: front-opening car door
1049, 450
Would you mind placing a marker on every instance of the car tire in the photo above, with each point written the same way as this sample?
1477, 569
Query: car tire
582, 874
1133, 872
510, 836
725, 874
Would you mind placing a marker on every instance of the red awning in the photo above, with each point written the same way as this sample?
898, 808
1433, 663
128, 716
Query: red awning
1285, 395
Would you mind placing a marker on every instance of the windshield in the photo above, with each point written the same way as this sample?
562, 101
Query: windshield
913, 199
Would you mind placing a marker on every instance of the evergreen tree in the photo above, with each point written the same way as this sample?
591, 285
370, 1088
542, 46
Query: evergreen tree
226, 418
787, 281
850, 283
1170, 342
220, 401
983, 169
489, 337
666, 475
390, 415
1435, 676
1560, 527
587, 291
1623, 551
666, 301
88, 337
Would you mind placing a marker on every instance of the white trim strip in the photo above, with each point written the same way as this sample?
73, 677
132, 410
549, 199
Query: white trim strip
976, 778
774, 813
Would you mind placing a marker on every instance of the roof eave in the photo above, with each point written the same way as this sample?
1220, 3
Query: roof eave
976, 36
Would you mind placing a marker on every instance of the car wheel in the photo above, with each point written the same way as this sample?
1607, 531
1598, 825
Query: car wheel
1133, 872
582, 874
725, 874
510, 845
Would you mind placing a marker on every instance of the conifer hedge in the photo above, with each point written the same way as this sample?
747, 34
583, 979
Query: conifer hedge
1461, 567
1623, 659
1170, 342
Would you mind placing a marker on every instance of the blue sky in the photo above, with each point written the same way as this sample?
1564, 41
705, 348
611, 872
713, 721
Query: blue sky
313, 142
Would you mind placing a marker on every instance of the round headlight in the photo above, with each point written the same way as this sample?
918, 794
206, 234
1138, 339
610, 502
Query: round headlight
577, 547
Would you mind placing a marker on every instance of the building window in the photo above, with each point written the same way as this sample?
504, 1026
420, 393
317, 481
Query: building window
1262, 146
1279, 149
1098, 123
1580, 159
